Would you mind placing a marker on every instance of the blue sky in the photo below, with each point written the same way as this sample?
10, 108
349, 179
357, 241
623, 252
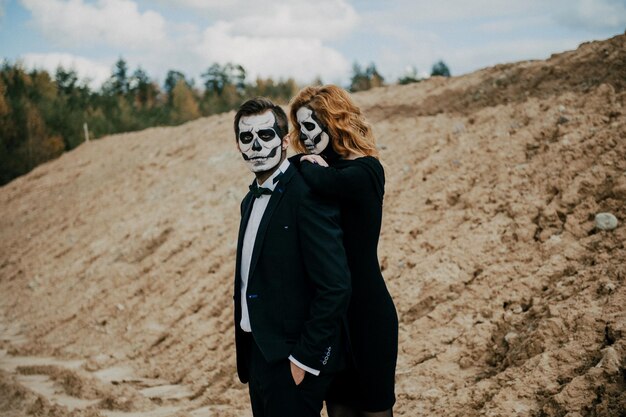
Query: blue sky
303, 39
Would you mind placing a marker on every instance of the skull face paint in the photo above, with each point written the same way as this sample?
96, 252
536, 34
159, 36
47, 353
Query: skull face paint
259, 142
312, 135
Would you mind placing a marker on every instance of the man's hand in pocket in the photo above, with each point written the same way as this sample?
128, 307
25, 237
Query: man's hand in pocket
296, 373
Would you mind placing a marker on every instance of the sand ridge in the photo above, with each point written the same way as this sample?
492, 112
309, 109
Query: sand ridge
120, 254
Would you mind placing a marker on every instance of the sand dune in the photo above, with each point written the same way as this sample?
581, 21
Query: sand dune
117, 259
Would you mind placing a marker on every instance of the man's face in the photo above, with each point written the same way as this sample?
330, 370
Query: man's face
312, 135
259, 142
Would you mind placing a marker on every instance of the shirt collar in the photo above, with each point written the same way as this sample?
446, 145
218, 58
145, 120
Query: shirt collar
269, 183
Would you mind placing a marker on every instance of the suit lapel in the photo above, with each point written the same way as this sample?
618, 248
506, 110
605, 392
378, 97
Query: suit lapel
247, 210
277, 195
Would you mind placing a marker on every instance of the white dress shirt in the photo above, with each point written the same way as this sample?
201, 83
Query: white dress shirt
259, 205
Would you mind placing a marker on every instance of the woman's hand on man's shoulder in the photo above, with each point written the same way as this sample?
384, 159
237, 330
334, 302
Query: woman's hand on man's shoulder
314, 159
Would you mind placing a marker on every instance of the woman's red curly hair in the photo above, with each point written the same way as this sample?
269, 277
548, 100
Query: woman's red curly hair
349, 132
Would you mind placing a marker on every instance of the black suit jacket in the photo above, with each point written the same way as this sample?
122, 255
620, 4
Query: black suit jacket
299, 281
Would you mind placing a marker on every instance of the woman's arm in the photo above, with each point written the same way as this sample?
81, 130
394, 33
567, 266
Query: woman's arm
345, 183
314, 159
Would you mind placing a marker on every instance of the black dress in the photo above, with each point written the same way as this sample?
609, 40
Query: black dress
358, 185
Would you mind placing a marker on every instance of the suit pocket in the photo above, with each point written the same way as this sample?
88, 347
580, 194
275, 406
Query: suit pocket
292, 382
278, 240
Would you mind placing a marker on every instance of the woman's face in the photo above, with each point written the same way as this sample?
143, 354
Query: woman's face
312, 134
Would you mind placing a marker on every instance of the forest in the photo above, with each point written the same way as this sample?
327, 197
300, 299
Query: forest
43, 115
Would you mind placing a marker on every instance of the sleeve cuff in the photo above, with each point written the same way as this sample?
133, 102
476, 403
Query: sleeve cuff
302, 366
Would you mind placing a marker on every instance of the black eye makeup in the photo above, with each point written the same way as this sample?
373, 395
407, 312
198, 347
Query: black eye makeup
245, 137
308, 125
267, 134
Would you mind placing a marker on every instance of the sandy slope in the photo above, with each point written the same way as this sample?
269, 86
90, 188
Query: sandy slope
116, 260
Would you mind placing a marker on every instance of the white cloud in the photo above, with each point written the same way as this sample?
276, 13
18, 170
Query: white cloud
418, 50
590, 14
305, 39
3, 6
507, 25
270, 39
594, 14
198, 4
325, 19
234, 9
279, 38
302, 58
322, 19
422, 49
462, 60
94, 71
111, 22
428, 11
472, 35
206, 5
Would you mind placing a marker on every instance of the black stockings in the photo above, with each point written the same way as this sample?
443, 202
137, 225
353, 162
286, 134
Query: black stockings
340, 410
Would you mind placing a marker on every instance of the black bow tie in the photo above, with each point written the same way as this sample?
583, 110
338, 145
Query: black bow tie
259, 191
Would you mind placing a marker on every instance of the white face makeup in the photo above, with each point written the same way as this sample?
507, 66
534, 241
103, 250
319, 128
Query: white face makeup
259, 142
311, 133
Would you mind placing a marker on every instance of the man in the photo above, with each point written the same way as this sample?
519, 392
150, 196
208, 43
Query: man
292, 283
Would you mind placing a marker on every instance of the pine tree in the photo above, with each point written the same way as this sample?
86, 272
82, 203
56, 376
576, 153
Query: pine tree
440, 68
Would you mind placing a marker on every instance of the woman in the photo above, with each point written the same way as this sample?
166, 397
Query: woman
343, 164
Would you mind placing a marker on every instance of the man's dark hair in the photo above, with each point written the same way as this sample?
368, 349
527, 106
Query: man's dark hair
260, 105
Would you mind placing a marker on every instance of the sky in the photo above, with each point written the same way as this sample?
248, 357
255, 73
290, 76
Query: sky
296, 38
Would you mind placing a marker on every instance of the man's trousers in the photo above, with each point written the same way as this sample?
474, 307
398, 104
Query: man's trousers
274, 393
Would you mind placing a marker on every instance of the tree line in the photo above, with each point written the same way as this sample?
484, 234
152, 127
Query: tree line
42, 115
369, 77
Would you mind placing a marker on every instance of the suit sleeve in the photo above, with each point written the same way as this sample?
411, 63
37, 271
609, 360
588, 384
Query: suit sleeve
321, 239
